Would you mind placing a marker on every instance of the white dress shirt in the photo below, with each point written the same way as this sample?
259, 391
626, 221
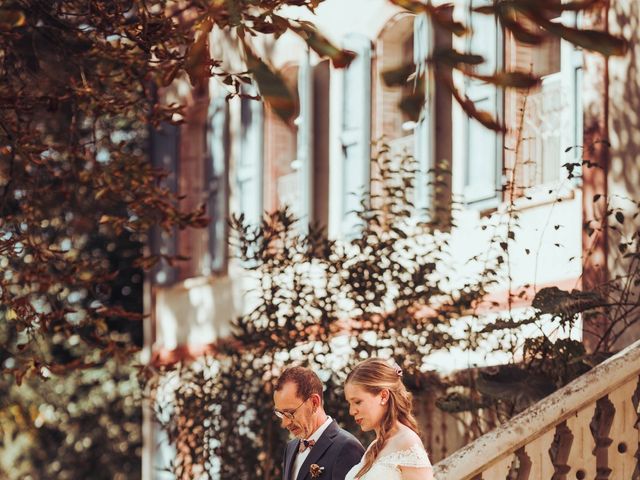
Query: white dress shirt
302, 456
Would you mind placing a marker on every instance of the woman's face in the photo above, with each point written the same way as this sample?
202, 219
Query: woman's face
366, 408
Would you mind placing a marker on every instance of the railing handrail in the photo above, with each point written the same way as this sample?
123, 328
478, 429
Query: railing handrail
541, 417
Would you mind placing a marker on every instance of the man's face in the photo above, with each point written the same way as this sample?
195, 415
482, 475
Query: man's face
298, 412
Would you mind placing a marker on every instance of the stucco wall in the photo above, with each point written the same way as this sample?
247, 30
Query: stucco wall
624, 133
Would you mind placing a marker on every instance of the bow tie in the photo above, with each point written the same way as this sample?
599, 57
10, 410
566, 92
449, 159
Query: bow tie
304, 444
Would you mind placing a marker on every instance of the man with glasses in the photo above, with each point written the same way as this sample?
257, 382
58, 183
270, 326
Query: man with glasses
319, 440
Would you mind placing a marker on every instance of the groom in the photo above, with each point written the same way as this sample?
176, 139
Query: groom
319, 441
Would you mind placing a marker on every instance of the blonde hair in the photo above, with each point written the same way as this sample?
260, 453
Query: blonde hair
374, 375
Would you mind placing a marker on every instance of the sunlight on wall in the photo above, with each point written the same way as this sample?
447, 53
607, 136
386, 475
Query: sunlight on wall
196, 312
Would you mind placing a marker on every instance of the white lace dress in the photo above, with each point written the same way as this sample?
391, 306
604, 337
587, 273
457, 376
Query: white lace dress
387, 466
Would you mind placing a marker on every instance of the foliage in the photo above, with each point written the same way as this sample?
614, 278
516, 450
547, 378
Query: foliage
528, 21
81, 83
405, 297
392, 280
86, 424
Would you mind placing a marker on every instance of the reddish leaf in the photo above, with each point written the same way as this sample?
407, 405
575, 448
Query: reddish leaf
519, 31
453, 58
322, 46
413, 6
508, 79
595, 40
10, 19
412, 103
272, 87
440, 14
396, 77
198, 58
486, 9
484, 117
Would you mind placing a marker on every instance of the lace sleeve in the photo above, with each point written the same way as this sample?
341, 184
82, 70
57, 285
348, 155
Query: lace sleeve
414, 457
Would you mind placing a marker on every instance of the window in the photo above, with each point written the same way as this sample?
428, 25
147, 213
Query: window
550, 114
423, 151
249, 167
356, 131
165, 153
216, 186
395, 50
410, 114
288, 149
483, 147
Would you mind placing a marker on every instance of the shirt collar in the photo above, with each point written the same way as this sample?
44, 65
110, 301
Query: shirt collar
318, 433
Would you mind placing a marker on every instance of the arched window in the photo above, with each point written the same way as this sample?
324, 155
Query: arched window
288, 148
281, 168
391, 116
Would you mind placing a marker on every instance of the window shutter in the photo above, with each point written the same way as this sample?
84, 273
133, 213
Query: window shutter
304, 158
483, 156
422, 133
249, 170
356, 130
165, 154
216, 181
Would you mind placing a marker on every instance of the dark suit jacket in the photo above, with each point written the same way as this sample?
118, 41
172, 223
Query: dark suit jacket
336, 450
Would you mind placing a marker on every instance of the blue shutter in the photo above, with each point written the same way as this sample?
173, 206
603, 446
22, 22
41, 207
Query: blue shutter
216, 181
304, 157
356, 131
165, 154
483, 155
422, 133
249, 169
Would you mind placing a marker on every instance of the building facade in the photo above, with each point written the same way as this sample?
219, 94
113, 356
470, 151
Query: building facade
238, 156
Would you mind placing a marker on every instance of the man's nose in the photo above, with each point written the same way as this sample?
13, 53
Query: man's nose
285, 422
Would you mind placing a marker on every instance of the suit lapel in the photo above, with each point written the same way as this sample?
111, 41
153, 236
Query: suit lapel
292, 450
324, 442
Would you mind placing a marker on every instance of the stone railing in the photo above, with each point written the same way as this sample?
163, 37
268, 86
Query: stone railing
589, 429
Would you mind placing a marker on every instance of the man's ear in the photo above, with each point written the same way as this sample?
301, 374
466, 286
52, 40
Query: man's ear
316, 401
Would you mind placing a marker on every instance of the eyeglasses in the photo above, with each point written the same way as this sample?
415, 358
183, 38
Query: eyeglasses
288, 414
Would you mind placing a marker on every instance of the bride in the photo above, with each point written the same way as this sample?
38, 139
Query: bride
379, 401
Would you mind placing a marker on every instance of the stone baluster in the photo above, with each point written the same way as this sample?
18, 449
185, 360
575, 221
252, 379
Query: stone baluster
538, 453
623, 431
581, 461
